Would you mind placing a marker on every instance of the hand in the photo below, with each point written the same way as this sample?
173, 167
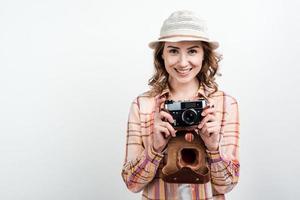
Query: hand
210, 129
162, 130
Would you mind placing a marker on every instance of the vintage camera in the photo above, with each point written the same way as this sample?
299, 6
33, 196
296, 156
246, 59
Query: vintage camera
186, 114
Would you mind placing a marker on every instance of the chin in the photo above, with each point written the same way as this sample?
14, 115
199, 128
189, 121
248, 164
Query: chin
185, 80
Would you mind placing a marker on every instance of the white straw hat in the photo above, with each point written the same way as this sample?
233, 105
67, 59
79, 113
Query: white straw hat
183, 25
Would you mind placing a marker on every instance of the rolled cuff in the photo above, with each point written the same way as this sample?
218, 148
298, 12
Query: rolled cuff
213, 156
153, 156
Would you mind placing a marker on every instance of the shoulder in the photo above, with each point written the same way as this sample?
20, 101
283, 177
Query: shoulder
223, 96
145, 102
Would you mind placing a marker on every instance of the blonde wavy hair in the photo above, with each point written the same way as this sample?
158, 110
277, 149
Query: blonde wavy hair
210, 66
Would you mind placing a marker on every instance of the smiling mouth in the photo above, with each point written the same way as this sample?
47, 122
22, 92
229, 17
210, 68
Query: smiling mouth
184, 71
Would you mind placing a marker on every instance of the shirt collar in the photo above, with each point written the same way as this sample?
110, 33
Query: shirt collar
202, 92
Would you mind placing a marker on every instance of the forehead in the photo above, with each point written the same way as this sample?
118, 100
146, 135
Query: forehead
183, 44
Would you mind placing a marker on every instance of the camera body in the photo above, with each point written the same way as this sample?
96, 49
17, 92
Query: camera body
186, 114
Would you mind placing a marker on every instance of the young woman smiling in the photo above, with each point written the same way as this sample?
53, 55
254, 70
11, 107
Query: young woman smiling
185, 65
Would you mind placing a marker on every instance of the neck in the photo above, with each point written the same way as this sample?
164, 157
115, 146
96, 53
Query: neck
183, 91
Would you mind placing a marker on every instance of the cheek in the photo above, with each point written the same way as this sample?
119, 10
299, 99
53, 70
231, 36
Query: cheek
170, 62
197, 62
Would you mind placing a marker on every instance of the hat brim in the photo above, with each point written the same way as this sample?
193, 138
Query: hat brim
152, 45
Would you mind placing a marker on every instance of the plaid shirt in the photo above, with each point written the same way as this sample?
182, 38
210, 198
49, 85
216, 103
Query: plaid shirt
142, 163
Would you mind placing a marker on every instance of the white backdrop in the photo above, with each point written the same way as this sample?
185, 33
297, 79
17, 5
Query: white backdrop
70, 69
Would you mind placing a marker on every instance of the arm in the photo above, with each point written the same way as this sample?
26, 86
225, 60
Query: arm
224, 163
141, 162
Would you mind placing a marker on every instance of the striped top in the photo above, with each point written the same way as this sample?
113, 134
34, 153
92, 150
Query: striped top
142, 163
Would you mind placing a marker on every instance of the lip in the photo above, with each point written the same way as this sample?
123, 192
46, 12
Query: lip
183, 72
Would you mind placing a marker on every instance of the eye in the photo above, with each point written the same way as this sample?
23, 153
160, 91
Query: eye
192, 51
173, 51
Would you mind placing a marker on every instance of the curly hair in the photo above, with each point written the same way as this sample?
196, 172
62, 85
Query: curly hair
210, 66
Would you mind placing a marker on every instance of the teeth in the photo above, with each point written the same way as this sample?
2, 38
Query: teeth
184, 70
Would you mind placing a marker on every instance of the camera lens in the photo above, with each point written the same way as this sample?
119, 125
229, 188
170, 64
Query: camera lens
189, 116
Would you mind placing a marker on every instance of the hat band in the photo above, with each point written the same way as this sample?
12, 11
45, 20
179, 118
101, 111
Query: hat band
193, 36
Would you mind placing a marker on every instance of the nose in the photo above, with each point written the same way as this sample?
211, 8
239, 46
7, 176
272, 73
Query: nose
183, 60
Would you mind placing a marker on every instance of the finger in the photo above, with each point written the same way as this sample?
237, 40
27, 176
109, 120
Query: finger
210, 131
165, 115
170, 128
209, 110
165, 131
208, 118
212, 124
209, 105
158, 102
203, 135
204, 132
161, 130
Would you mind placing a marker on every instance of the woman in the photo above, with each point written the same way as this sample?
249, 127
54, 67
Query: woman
185, 68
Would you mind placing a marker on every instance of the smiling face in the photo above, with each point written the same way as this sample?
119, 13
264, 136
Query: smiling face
183, 61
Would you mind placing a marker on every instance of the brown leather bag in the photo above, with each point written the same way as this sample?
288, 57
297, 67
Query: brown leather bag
186, 160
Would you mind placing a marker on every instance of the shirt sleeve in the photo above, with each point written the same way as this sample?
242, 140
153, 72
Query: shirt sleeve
224, 163
141, 162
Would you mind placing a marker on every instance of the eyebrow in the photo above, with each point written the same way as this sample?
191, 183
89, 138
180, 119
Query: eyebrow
196, 46
172, 47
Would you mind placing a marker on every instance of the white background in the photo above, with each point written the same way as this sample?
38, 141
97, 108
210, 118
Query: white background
70, 69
